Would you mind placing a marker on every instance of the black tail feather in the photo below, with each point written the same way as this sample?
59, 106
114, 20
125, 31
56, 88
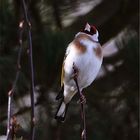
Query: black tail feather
60, 94
61, 118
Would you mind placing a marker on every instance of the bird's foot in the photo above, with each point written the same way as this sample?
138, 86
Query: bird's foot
74, 75
82, 99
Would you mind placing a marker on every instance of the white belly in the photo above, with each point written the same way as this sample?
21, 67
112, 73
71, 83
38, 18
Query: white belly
88, 65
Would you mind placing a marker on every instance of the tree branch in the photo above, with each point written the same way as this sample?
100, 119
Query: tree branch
27, 20
83, 134
10, 93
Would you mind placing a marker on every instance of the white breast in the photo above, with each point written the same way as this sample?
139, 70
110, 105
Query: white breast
87, 63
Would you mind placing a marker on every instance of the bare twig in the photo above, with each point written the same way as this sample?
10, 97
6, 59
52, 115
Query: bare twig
9, 115
83, 134
10, 93
15, 127
26, 16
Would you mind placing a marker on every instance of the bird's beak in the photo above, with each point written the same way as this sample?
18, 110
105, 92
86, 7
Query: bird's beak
87, 27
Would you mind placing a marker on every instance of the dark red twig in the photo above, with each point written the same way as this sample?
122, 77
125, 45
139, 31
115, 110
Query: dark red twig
83, 134
27, 21
10, 93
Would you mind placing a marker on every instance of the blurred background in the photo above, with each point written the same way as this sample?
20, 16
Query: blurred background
112, 99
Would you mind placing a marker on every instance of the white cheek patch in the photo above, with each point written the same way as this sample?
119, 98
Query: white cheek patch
95, 36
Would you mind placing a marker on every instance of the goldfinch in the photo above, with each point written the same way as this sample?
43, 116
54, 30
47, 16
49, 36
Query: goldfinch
85, 53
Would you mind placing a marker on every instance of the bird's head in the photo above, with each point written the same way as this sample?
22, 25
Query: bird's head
92, 31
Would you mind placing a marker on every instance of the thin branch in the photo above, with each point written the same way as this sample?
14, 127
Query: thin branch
10, 93
9, 115
83, 134
26, 16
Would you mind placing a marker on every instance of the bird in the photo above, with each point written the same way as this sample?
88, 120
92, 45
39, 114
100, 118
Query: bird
85, 53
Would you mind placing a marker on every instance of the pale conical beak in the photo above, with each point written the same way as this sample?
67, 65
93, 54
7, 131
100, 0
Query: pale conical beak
87, 27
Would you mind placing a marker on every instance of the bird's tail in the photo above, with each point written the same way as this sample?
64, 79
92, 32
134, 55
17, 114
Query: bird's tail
61, 111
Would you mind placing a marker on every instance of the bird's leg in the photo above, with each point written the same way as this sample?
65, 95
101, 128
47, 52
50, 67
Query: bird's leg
75, 75
82, 99
75, 72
